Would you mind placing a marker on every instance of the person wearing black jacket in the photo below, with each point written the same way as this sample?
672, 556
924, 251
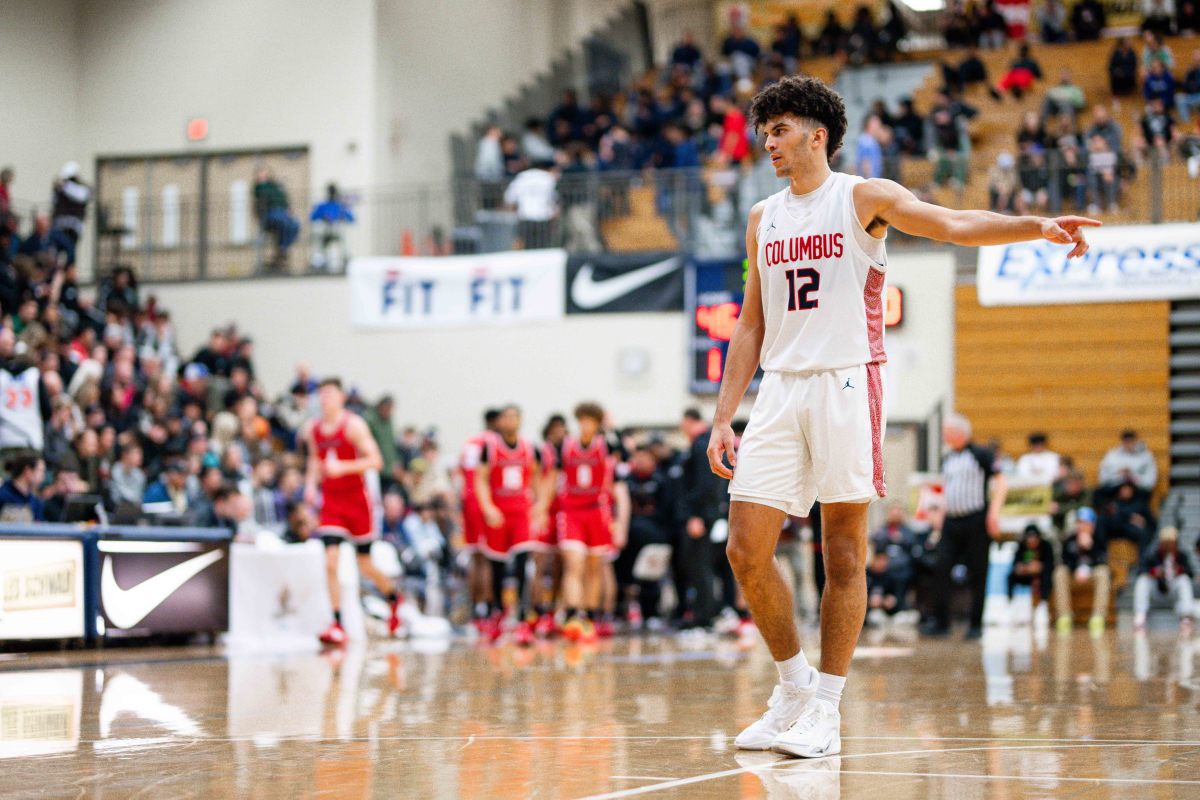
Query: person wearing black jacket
701, 495
1084, 558
1032, 564
650, 521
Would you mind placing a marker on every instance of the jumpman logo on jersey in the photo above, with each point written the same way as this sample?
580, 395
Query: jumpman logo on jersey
848, 384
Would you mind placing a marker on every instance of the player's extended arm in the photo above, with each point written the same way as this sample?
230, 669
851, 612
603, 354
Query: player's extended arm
742, 359
312, 465
483, 492
891, 203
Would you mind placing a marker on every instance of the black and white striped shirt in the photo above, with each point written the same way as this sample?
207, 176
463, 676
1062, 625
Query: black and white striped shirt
965, 475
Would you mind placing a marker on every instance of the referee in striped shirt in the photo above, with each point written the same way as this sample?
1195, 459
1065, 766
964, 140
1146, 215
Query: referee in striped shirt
968, 472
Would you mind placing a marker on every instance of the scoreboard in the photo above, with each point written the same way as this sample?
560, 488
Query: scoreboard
715, 290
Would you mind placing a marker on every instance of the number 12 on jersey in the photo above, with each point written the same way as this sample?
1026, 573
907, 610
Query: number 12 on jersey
802, 288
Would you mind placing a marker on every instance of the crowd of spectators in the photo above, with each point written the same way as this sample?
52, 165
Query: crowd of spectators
690, 112
1068, 552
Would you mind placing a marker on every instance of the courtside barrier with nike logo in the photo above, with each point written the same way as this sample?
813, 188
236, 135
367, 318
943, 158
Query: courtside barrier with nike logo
81, 582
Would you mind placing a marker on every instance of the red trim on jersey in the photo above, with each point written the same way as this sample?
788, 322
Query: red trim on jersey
873, 301
875, 404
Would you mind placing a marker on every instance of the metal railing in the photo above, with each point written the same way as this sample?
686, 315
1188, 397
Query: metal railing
703, 211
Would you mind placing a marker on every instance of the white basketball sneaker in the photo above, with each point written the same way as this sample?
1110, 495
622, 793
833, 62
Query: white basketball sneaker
816, 733
783, 709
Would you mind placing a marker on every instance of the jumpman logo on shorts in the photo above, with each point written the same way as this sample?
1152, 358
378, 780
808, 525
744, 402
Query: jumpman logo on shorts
848, 384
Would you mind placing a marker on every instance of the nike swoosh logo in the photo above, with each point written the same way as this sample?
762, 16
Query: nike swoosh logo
588, 293
127, 607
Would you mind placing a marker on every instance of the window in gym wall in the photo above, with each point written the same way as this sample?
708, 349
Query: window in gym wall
170, 216
129, 216
239, 212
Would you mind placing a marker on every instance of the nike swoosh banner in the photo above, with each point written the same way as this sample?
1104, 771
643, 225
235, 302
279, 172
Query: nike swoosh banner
608, 283
457, 291
163, 587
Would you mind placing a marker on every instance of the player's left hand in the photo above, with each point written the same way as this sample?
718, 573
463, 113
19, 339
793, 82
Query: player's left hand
1067, 230
332, 468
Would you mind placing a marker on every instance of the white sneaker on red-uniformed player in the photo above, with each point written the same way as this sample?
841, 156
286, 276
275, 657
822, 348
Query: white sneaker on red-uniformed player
783, 709
817, 733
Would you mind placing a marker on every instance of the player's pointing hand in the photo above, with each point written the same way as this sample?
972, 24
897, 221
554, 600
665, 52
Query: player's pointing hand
722, 442
1068, 230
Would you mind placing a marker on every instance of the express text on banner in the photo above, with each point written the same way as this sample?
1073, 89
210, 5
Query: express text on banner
1124, 264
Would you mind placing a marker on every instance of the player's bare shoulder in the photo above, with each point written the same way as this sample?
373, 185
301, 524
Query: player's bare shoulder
872, 199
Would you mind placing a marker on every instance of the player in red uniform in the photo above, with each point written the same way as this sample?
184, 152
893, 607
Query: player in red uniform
505, 484
479, 573
340, 450
586, 521
544, 541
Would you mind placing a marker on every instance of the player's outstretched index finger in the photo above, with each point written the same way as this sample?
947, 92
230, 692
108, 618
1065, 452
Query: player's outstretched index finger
1085, 222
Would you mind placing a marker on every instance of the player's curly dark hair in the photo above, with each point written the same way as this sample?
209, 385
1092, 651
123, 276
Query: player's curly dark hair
807, 98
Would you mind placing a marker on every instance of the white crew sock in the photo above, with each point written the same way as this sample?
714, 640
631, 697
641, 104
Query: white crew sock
797, 671
830, 688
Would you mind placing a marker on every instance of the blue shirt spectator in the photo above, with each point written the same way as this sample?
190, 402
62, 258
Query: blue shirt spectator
868, 157
1160, 85
18, 495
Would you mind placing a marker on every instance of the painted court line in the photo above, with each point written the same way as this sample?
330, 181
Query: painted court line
791, 762
651, 738
1053, 778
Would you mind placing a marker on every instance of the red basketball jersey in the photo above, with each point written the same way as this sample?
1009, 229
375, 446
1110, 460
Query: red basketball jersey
468, 463
334, 445
586, 470
511, 474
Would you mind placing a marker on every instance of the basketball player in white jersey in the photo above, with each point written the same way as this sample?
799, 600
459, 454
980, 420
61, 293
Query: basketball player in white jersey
813, 318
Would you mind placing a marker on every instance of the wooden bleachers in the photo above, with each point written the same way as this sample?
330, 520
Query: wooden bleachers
1081, 373
994, 130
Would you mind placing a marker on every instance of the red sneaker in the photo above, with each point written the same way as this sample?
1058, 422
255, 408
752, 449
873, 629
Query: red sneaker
495, 627
587, 632
546, 627
334, 635
573, 629
605, 629
523, 635
394, 618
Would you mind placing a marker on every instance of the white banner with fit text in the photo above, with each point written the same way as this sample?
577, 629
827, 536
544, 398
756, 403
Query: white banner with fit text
1124, 264
458, 291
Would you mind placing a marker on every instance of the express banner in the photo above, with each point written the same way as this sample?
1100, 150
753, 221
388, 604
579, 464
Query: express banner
1124, 264
622, 283
457, 291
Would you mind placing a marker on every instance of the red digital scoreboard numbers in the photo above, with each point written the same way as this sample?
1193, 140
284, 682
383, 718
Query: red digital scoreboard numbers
715, 304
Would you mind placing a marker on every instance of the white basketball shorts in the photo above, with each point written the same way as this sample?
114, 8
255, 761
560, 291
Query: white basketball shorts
813, 436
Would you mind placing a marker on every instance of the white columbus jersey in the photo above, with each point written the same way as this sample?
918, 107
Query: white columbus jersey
822, 279
20, 412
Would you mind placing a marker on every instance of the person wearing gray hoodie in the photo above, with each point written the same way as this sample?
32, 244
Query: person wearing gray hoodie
1131, 461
